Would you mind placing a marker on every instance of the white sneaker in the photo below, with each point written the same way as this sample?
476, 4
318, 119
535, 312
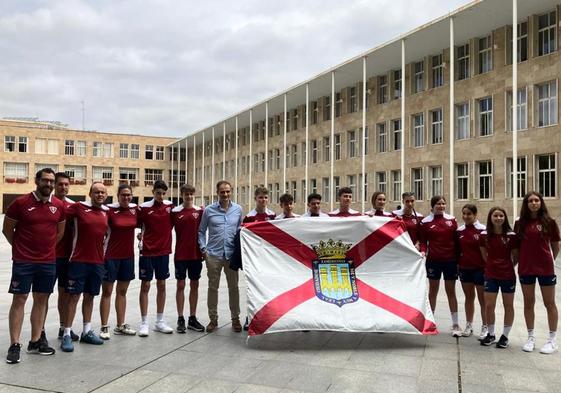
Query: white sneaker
483, 333
162, 327
144, 330
549, 347
456, 331
468, 331
104, 333
530, 344
125, 329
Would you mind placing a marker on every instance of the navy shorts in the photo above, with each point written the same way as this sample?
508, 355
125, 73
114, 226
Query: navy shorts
119, 270
437, 269
26, 275
506, 286
85, 278
62, 271
544, 281
191, 268
474, 276
150, 267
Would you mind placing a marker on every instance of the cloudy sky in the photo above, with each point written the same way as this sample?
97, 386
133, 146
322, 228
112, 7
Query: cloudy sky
164, 67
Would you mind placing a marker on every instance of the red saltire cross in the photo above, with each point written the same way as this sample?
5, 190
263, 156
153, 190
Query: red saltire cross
359, 253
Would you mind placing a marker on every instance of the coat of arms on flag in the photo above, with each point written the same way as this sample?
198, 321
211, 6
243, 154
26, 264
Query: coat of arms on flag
359, 274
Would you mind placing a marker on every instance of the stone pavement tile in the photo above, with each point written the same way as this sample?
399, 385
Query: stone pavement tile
313, 379
274, 373
341, 340
355, 381
250, 388
172, 383
132, 382
484, 374
474, 388
17, 389
439, 370
319, 358
524, 379
437, 386
214, 386
442, 351
546, 363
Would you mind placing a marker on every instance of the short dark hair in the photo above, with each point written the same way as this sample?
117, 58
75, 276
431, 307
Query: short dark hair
407, 194
286, 198
344, 190
123, 187
40, 172
221, 183
434, 200
187, 188
160, 184
314, 195
60, 175
260, 191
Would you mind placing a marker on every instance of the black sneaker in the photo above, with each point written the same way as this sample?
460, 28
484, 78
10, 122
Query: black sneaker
181, 325
43, 338
246, 324
40, 347
195, 325
13, 354
73, 335
503, 342
488, 340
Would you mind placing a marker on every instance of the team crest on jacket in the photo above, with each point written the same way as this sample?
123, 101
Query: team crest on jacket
168, 209
53, 209
334, 274
196, 215
133, 211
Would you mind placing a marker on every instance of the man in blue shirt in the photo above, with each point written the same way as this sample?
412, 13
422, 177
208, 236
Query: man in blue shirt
222, 220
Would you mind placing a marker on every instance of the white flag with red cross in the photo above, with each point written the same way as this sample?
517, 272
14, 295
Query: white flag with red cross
359, 274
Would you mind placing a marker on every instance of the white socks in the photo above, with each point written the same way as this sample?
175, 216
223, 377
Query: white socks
67, 331
159, 317
454, 318
531, 333
144, 319
506, 330
552, 336
491, 329
87, 327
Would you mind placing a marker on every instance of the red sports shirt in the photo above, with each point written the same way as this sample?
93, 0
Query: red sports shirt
253, 216
438, 237
536, 256
36, 229
90, 227
468, 242
412, 223
338, 213
499, 264
64, 246
119, 242
379, 213
186, 223
155, 220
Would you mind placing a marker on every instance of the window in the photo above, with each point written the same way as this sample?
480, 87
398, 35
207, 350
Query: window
129, 175
485, 179
124, 150
396, 185
547, 104
338, 104
353, 107
546, 33
381, 181
351, 182
521, 178
463, 62
351, 144
22, 144
68, 148
9, 143
103, 174
396, 132
462, 121
46, 146
365, 193
485, 106
16, 172
261, 161
337, 146
294, 123
271, 160
160, 153
397, 84
304, 191
325, 188
522, 42
547, 175
76, 173
80, 148
39, 166
101, 149
436, 127
326, 108
151, 175
315, 112
149, 152
326, 149
419, 77
313, 186
294, 189
294, 150
277, 159
418, 130
337, 186
522, 109
462, 181
135, 151
256, 161
314, 151
437, 71
417, 183
381, 137
435, 180
382, 89
97, 149
365, 140
485, 55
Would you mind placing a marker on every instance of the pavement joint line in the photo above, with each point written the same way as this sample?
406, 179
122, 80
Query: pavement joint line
459, 365
152, 361
31, 387
156, 381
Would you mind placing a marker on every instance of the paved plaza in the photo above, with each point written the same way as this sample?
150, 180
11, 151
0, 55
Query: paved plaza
225, 361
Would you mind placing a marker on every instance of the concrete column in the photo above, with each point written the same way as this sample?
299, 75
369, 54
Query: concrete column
363, 152
236, 164
451, 135
306, 190
332, 142
514, 108
402, 155
212, 162
284, 149
267, 144
170, 195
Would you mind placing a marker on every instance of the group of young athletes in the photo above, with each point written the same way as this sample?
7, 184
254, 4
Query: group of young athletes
93, 246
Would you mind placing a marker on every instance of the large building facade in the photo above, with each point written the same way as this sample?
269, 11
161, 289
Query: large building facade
429, 112
86, 156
